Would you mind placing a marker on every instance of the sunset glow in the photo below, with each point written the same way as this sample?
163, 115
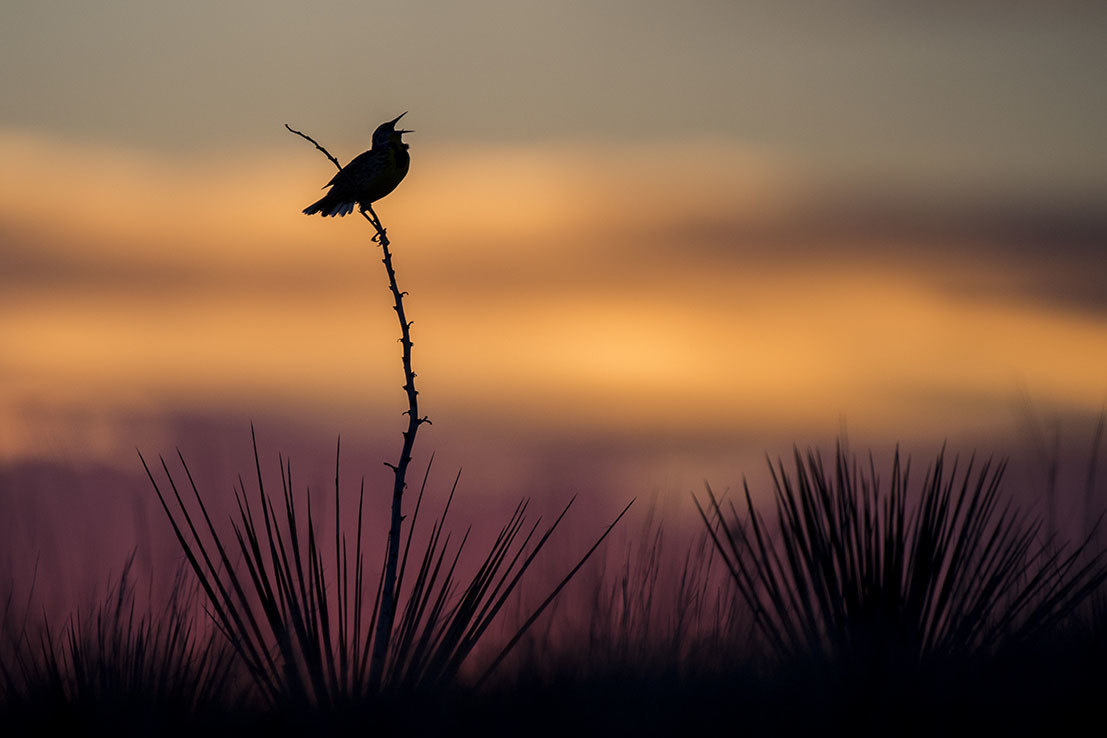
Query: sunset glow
176, 282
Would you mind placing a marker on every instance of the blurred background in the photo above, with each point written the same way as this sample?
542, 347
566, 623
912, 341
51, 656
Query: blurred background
646, 243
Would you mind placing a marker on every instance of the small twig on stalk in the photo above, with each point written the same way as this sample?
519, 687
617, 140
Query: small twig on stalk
312, 140
388, 588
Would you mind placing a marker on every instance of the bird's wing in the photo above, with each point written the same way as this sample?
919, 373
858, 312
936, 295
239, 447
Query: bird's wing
362, 167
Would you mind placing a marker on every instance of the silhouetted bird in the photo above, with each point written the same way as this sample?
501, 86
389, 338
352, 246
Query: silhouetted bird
369, 176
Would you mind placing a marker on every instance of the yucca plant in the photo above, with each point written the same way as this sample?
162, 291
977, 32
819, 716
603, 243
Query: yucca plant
300, 617
293, 598
863, 574
118, 665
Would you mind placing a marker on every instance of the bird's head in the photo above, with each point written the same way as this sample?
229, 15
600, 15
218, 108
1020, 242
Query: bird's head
387, 133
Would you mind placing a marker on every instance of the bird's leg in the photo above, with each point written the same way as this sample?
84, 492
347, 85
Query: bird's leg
372, 218
365, 210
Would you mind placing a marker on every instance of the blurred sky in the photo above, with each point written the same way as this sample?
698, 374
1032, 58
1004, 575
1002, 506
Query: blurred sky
654, 238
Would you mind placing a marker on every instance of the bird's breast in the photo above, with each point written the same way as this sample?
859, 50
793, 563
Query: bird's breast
401, 159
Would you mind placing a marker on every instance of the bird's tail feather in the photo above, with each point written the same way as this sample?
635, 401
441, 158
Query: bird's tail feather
331, 206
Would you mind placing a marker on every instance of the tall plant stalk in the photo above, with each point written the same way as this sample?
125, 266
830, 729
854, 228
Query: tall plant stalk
399, 469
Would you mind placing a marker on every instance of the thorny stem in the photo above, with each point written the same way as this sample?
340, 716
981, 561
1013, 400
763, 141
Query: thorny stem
388, 592
387, 614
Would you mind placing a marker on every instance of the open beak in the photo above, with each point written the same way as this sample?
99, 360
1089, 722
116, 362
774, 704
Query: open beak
396, 120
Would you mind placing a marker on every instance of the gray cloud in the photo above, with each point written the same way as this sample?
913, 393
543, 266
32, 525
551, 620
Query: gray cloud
1055, 253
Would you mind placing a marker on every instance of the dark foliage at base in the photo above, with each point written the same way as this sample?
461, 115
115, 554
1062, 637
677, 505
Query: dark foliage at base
862, 608
115, 669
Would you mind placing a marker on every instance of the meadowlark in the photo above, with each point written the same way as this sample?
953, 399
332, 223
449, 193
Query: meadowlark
369, 176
